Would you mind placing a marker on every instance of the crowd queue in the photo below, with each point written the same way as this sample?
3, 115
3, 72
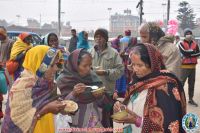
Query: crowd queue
144, 78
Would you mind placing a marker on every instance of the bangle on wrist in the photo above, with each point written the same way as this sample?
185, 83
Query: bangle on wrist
138, 121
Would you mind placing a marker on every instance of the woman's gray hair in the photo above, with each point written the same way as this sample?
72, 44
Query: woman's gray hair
144, 27
154, 30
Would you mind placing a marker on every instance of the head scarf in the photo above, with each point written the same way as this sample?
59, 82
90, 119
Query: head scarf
23, 35
82, 42
30, 92
156, 63
70, 77
46, 38
160, 85
18, 47
155, 32
39, 58
156, 59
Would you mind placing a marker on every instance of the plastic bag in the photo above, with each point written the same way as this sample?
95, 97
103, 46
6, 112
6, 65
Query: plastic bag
62, 123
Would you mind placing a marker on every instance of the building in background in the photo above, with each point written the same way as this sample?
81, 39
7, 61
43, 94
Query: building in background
118, 23
34, 26
198, 22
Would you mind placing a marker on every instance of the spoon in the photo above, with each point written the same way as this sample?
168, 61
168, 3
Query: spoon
93, 87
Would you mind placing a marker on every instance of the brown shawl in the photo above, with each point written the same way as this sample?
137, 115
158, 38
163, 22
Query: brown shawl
70, 77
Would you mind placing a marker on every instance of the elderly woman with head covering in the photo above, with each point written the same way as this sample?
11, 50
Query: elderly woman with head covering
32, 99
155, 100
73, 82
151, 33
18, 52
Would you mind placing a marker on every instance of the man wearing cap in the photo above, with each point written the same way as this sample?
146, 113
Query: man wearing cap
190, 51
107, 64
150, 32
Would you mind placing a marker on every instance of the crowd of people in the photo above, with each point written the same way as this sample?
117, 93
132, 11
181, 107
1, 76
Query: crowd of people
148, 75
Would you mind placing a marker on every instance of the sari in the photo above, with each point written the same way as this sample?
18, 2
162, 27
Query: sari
158, 98
30, 93
89, 113
17, 55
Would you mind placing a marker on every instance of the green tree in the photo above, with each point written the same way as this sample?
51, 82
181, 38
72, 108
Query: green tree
186, 16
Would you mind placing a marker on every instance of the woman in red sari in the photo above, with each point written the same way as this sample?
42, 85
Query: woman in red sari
155, 100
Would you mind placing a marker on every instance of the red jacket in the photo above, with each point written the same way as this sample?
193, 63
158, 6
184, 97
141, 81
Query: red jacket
191, 49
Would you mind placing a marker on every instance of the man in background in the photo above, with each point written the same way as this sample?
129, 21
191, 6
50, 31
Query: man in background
189, 52
73, 41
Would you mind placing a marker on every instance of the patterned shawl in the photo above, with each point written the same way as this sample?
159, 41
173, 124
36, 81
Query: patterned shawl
156, 64
70, 77
30, 92
161, 85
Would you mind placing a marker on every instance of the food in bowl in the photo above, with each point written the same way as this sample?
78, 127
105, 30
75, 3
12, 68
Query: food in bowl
119, 115
71, 106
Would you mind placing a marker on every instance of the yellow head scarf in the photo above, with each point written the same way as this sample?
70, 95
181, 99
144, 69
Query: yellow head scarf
18, 47
34, 58
32, 62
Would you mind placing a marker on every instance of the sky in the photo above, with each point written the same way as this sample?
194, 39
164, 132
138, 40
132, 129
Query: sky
85, 14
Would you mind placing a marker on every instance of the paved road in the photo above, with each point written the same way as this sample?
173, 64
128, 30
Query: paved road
190, 109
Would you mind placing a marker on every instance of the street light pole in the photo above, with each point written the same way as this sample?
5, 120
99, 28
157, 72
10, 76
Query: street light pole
140, 3
109, 18
168, 10
62, 18
109, 10
59, 12
164, 4
18, 17
141, 10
